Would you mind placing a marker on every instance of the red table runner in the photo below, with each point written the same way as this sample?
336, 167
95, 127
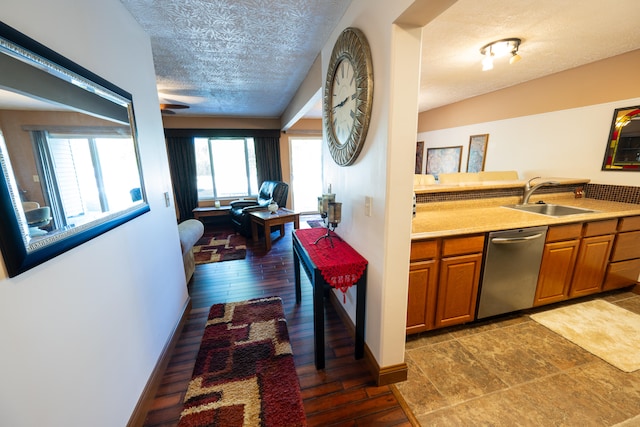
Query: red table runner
341, 266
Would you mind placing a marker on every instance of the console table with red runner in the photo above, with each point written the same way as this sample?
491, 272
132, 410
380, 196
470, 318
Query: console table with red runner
339, 266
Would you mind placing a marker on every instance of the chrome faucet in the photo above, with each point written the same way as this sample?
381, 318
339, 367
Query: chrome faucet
528, 189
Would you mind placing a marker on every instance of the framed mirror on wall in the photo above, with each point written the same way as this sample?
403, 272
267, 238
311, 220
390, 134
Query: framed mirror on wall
69, 159
623, 146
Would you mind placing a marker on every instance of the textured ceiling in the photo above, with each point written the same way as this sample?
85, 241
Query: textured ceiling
557, 35
248, 57
234, 57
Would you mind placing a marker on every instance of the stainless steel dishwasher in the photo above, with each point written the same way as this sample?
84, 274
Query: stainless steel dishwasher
511, 266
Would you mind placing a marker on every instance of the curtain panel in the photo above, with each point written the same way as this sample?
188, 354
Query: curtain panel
268, 158
182, 161
182, 165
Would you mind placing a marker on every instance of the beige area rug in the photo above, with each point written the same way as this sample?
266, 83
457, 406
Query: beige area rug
603, 329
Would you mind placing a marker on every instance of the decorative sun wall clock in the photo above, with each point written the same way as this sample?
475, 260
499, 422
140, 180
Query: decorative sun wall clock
348, 96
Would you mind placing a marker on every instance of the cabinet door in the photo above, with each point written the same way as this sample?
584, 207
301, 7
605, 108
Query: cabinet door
421, 303
558, 261
622, 274
627, 246
458, 289
591, 265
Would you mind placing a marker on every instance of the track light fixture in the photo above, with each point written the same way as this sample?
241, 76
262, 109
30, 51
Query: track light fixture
500, 48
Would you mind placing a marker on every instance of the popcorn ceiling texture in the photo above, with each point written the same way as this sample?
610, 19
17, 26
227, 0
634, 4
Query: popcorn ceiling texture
248, 57
234, 57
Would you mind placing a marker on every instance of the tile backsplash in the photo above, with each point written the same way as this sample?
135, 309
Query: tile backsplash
449, 196
613, 193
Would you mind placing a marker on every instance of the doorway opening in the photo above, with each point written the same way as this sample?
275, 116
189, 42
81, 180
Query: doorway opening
306, 173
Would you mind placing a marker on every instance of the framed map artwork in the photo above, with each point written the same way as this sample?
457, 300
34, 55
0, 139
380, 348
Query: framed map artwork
477, 152
443, 160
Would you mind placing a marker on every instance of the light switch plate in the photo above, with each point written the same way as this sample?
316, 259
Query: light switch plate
368, 205
167, 201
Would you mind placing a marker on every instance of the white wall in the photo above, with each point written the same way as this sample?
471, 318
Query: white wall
81, 333
381, 173
568, 143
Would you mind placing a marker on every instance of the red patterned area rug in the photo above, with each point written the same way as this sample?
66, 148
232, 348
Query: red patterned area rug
244, 373
218, 247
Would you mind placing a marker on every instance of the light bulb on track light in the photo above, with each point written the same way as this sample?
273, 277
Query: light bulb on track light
498, 49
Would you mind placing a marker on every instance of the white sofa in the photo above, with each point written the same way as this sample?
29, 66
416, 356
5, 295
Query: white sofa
190, 232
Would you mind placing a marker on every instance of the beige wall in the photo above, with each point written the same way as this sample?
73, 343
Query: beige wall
199, 122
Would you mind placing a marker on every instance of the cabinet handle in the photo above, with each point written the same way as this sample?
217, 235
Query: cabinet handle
509, 240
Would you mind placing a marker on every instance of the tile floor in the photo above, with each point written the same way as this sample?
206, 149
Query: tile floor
515, 372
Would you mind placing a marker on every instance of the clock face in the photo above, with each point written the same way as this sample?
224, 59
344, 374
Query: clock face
348, 96
343, 101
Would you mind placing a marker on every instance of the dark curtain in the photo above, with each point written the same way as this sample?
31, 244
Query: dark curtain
268, 158
46, 170
182, 164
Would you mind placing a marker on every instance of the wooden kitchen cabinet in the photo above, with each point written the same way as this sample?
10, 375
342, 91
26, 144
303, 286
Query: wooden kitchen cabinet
624, 268
423, 282
444, 275
421, 303
458, 280
558, 262
458, 289
593, 257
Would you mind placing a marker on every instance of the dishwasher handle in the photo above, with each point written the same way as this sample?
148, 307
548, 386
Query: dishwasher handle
510, 240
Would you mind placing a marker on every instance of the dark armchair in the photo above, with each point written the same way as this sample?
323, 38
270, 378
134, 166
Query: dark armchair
270, 191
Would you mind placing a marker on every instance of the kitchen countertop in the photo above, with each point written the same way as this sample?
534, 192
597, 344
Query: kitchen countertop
480, 216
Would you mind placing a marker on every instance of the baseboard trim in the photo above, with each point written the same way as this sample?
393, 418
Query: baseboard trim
382, 375
148, 394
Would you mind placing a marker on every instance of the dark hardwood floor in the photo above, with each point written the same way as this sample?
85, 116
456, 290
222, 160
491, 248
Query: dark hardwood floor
344, 393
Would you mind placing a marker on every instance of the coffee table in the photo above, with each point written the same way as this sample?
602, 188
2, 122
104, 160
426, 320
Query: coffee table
199, 213
267, 220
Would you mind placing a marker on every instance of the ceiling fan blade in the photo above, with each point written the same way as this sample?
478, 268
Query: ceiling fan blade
173, 106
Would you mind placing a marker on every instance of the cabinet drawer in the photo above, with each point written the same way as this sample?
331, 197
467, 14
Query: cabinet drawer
462, 245
424, 249
627, 246
629, 223
598, 228
564, 232
621, 274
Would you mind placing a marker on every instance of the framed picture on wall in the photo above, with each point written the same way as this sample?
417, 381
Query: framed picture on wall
443, 160
419, 156
477, 152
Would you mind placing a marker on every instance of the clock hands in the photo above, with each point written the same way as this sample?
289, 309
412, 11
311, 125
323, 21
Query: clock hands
340, 104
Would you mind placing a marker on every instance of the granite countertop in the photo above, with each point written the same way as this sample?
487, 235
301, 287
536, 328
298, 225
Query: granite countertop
481, 216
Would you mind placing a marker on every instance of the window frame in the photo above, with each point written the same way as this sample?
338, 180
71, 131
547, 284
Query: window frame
250, 191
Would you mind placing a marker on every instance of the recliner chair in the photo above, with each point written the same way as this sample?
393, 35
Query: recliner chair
270, 191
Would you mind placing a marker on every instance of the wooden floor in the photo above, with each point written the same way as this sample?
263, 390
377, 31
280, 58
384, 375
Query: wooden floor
344, 393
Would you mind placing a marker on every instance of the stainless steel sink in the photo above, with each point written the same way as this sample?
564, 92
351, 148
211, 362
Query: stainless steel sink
550, 209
